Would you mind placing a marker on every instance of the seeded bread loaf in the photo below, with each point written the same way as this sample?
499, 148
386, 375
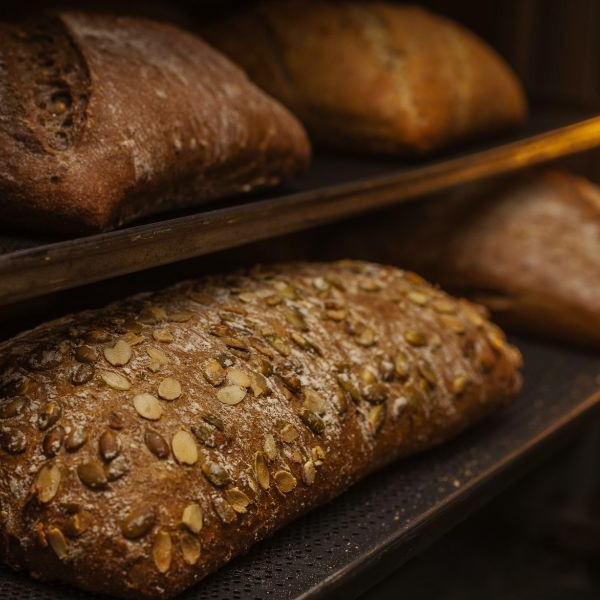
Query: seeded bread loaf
105, 119
146, 444
373, 76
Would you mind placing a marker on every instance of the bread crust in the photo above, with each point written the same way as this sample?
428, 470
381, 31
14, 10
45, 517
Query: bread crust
105, 119
373, 76
291, 383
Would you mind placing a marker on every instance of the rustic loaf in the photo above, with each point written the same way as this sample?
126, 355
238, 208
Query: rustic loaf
145, 444
527, 248
373, 76
105, 119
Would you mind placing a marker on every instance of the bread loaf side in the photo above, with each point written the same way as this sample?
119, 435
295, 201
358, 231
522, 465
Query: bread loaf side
105, 119
145, 444
373, 76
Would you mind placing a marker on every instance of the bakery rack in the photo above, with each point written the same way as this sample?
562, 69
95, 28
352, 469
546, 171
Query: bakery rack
336, 187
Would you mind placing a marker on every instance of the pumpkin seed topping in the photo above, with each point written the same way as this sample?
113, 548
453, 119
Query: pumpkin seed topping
147, 406
192, 517
116, 381
169, 389
92, 475
215, 473
138, 523
47, 482
162, 551
190, 549
184, 448
237, 499
284, 481
119, 355
261, 470
231, 394
57, 542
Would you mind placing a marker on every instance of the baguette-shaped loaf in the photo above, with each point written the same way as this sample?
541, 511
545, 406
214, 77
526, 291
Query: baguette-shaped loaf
373, 76
145, 444
105, 119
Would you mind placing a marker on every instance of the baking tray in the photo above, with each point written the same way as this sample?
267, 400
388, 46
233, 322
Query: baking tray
336, 187
342, 549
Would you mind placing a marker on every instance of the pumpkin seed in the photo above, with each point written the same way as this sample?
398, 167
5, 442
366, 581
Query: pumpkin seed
47, 482
138, 523
376, 417
162, 551
258, 384
284, 481
53, 441
76, 438
116, 381
147, 406
169, 389
336, 315
181, 316
452, 323
82, 374
86, 354
214, 421
92, 474
238, 377
190, 549
192, 517
443, 306
49, 415
224, 510
427, 371
237, 499
367, 337
109, 445
156, 444
309, 472
215, 473
57, 542
117, 468
418, 298
295, 318
312, 421
119, 355
213, 372
184, 448
261, 470
401, 365
270, 446
349, 387
231, 394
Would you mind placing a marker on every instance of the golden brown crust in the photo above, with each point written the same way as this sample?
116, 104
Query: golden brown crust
105, 119
145, 444
373, 77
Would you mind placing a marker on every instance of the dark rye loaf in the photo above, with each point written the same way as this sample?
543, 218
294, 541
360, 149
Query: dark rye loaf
145, 444
105, 119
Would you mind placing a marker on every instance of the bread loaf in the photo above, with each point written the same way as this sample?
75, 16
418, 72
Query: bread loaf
528, 249
106, 119
145, 444
373, 76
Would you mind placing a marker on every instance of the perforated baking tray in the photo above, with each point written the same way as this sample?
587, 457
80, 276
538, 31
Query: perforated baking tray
342, 549
336, 187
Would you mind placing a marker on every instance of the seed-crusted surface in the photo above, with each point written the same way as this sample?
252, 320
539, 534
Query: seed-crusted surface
113, 514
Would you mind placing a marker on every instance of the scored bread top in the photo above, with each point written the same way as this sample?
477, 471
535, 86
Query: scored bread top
104, 119
145, 444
